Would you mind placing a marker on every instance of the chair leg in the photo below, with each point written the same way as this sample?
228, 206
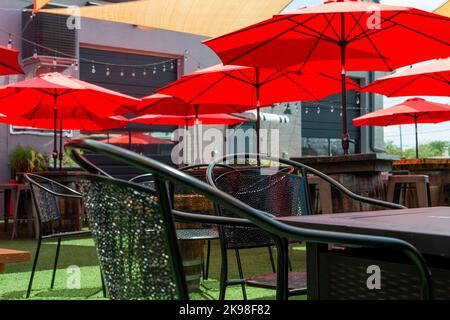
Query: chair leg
55, 265
282, 276
36, 257
223, 272
241, 273
103, 283
272, 261
208, 256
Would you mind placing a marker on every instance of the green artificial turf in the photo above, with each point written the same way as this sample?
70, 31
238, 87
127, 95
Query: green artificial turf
81, 252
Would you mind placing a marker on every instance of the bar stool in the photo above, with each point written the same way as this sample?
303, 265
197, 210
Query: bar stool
399, 185
323, 202
23, 193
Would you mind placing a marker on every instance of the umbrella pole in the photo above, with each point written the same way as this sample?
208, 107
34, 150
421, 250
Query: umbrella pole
417, 138
258, 116
185, 151
61, 154
345, 137
55, 150
129, 139
197, 135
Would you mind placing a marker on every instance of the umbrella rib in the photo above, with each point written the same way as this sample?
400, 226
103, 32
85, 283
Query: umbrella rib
403, 86
229, 75
438, 77
377, 28
353, 27
271, 39
35, 109
316, 33
302, 88
206, 89
277, 74
372, 43
314, 47
11, 67
156, 103
331, 26
82, 107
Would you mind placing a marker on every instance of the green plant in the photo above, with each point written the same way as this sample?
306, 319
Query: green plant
27, 159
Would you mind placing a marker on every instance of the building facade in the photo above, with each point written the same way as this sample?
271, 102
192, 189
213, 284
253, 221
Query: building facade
120, 46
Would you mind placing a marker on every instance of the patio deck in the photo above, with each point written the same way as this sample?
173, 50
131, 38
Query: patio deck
81, 252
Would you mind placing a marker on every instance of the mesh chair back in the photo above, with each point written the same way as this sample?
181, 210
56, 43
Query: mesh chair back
48, 196
280, 193
135, 239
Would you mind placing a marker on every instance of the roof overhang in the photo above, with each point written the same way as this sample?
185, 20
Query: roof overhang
208, 18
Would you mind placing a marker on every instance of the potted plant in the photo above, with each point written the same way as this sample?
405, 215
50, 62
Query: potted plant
26, 159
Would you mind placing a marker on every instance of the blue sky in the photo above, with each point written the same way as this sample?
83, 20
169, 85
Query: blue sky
427, 132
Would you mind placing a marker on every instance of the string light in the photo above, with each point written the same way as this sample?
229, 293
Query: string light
172, 65
144, 73
121, 73
76, 65
318, 110
332, 109
35, 53
107, 72
306, 111
154, 70
9, 41
164, 68
93, 69
133, 74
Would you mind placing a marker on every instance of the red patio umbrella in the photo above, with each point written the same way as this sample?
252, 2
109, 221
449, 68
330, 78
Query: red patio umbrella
428, 79
252, 87
56, 96
87, 124
9, 61
137, 138
411, 111
338, 36
205, 119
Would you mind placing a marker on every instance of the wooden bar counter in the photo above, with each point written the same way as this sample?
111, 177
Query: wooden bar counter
360, 173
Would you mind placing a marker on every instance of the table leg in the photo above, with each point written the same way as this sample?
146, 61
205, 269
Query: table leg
312, 269
6, 206
15, 197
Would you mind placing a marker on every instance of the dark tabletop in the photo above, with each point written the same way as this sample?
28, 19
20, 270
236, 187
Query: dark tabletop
428, 229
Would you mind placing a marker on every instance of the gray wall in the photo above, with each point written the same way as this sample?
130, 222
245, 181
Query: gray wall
99, 33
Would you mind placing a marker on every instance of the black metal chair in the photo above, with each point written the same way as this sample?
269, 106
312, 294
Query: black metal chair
47, 195
207, 232
273, 185
132, 224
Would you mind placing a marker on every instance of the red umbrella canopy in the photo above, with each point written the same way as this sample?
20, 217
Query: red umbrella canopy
163, 104
113, 122
372, 37
204, 119
9, 61
246, 86
408, 112
427, 79
137, 138
73, 98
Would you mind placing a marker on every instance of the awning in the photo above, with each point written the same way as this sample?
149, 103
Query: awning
209, 18
444, 9
265, 117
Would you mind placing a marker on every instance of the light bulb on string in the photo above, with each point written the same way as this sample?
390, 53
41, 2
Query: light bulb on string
332, 109
154, 70
35, 53
121, 73
172, 65
144, 73
76, 65
318, 110
133, 74
93, 69
306, 111
108, 72
164, 68
9, 41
